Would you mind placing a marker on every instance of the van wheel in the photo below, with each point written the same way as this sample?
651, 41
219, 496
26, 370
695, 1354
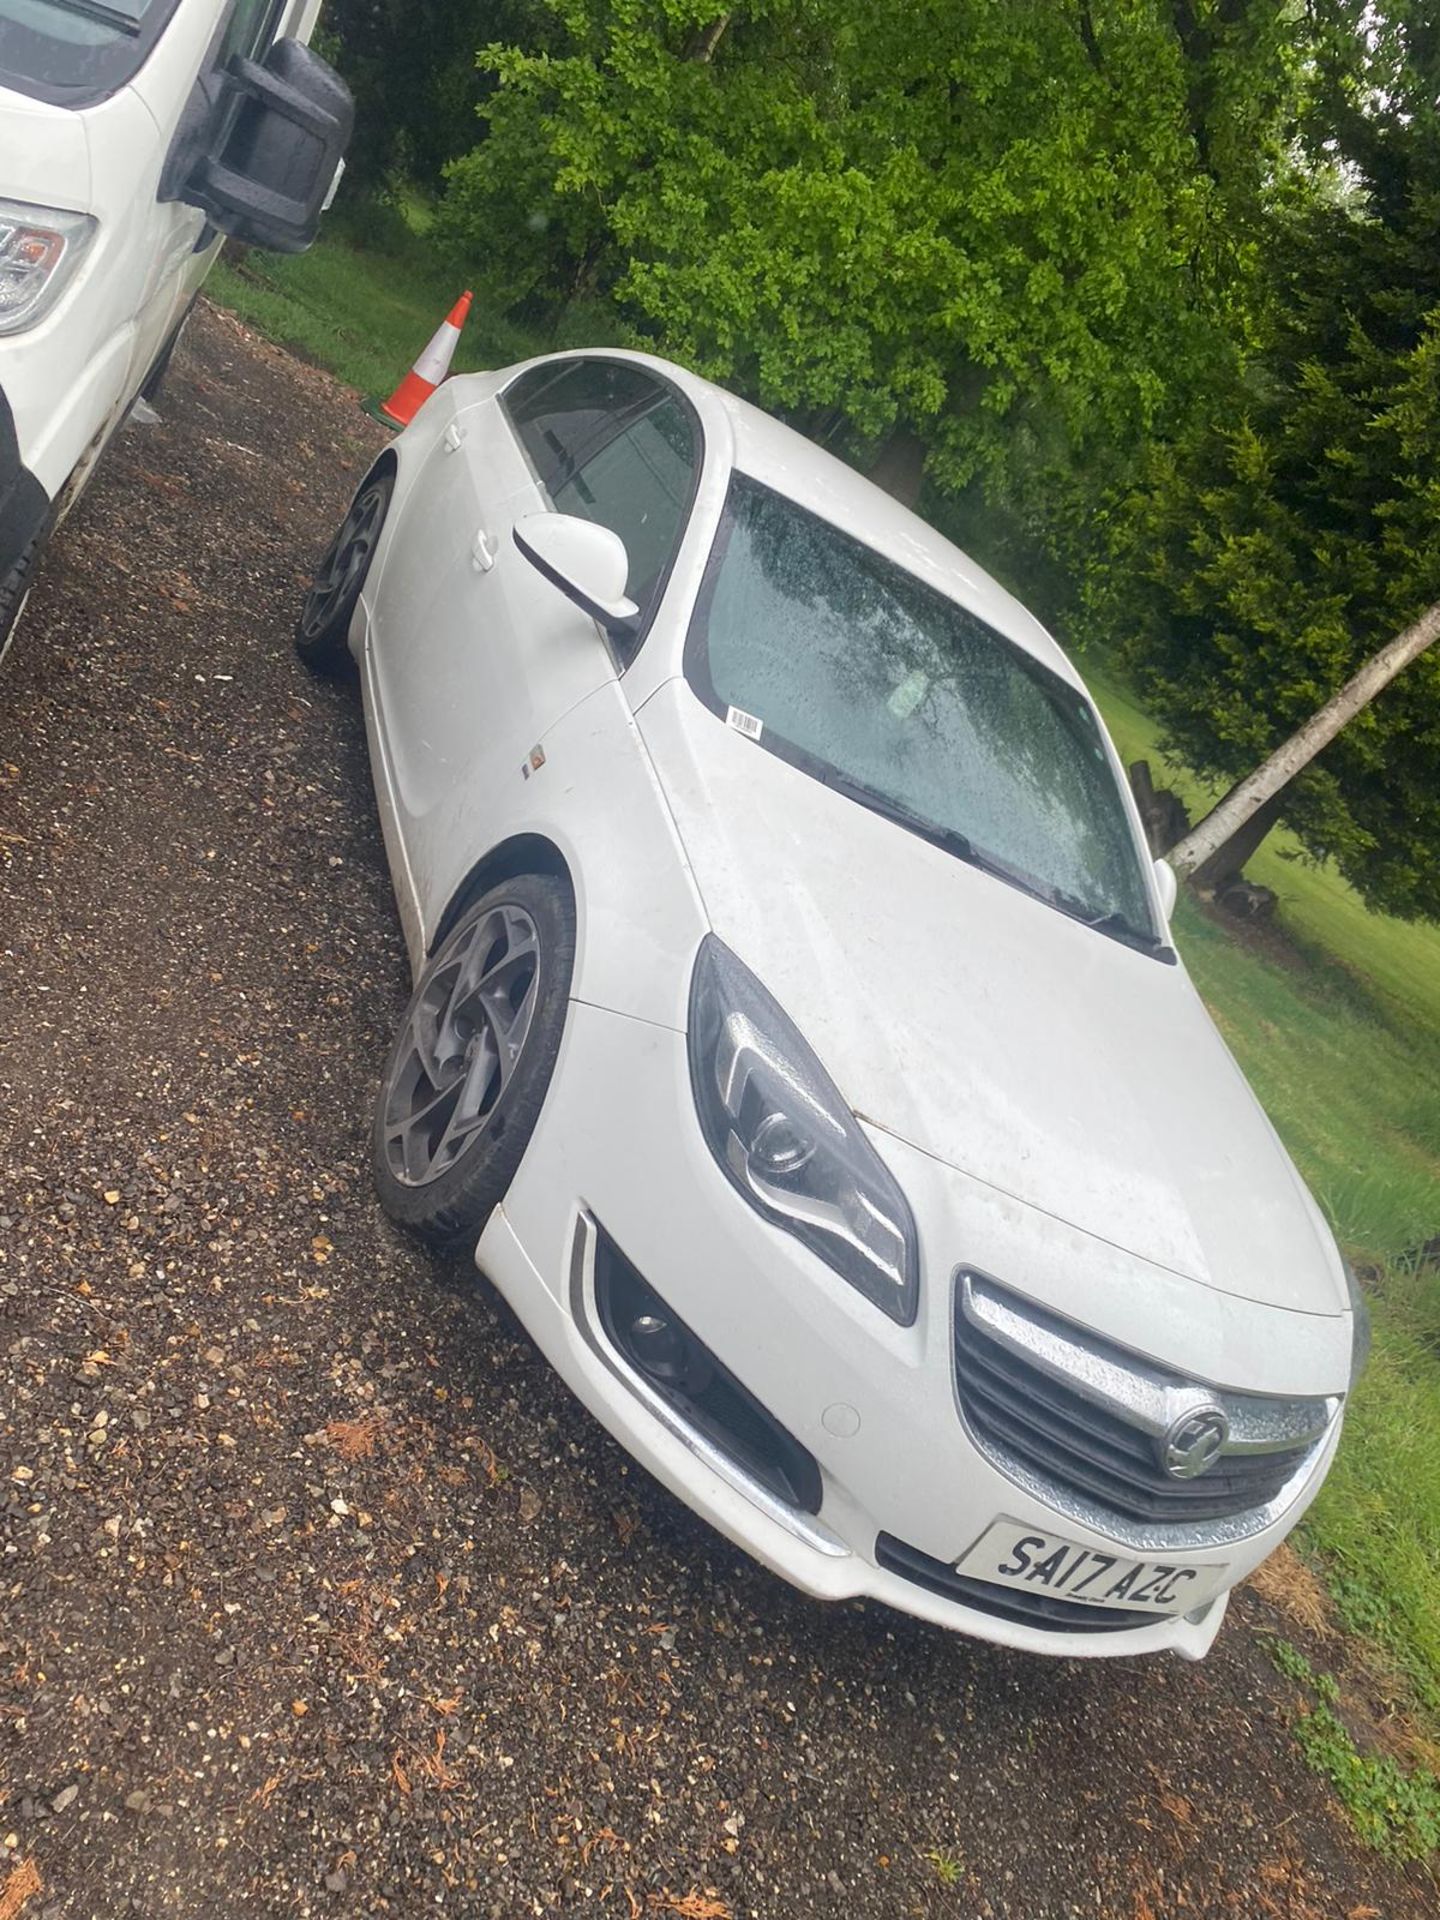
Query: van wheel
15, 591
473, 1059
321, 638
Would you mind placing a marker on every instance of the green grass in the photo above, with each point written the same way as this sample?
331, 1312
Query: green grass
1353, 1089
365, 314
947, 1865
1376, 1525
1335, 1018
362, 315
1336, 1023
1394, 1808
1396, 962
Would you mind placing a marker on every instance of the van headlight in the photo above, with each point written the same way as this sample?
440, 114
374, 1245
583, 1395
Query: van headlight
784, 1136
40, 248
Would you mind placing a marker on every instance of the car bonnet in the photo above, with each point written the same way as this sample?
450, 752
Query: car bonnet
987, 1029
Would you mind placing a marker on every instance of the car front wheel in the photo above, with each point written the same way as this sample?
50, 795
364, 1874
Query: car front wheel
473, 1059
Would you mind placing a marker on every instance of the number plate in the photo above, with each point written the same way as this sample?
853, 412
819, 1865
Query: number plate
1011, 1555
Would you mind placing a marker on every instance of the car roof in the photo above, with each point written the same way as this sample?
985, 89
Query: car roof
767, 450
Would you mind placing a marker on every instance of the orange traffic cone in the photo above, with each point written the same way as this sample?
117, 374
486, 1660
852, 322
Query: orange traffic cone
428, 371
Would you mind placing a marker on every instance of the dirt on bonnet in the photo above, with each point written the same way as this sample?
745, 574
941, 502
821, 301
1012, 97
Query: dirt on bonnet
318, 1595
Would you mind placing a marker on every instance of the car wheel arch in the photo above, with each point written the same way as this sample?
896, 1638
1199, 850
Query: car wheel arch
522, 853
386, 461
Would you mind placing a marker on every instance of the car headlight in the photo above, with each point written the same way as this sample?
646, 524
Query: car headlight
40, 248
1360, 1308
786, 1139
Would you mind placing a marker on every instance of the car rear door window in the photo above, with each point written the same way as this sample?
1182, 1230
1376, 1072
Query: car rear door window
612, 445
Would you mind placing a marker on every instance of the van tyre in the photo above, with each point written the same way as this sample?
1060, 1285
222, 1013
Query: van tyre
322, 635
15, 589
473, 1060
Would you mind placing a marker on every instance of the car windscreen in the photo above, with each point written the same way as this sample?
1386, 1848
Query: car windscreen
74, 52
868, 678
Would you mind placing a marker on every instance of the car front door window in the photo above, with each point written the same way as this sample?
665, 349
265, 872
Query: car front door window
612, 445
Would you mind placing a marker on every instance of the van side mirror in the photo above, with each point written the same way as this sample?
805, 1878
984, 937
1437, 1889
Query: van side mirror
282, 133
1167, 886
587, 562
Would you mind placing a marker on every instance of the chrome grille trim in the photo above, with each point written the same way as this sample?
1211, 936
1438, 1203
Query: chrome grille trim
1132, 1389
1088, 1447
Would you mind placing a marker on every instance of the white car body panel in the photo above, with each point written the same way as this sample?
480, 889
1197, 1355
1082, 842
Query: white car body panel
71, 377
815, 1570
44, 147
1056, 1107
809, 1342
998, 1039
466, 710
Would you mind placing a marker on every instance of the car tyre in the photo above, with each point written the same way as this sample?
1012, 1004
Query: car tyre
322, 633
473, 1059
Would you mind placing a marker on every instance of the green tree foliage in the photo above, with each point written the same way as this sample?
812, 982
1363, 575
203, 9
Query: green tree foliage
411, 65
1267, 555
1015, 231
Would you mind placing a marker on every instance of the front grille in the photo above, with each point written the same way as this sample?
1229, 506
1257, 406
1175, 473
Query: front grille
1022, 1608
1020, 1412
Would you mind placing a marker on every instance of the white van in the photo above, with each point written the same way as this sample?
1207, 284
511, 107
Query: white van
134, 135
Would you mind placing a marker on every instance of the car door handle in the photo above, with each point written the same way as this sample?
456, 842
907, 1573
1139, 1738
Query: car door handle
482, 554
453, 434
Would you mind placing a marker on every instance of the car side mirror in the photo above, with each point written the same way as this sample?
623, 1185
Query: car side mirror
1167, 886
588, 563
283, 130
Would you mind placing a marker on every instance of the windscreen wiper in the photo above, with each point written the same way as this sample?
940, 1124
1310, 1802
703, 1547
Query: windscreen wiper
1117, 925
104, 16
1120, 927
950, 838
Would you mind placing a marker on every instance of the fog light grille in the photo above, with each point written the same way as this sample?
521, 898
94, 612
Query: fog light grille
659, 1347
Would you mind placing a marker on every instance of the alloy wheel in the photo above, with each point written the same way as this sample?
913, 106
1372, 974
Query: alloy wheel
463, 1038
345, 562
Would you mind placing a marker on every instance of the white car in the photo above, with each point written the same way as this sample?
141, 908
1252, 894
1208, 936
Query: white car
133, 135
796, 1039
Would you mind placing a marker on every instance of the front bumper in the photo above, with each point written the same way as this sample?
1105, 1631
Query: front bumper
618, 1144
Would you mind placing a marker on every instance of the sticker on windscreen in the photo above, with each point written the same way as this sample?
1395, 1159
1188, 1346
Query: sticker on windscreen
908, 695
745, 723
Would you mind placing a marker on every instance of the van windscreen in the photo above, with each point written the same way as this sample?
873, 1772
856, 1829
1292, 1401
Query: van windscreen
75, 52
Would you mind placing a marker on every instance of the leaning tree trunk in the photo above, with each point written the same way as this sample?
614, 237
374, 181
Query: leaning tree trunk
1229, 859
1206, 849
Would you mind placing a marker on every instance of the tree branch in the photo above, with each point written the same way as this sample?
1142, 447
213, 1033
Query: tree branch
1197, 45
1087, 34
707, 39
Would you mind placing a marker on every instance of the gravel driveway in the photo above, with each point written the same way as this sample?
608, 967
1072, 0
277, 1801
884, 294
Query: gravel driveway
318, 1594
